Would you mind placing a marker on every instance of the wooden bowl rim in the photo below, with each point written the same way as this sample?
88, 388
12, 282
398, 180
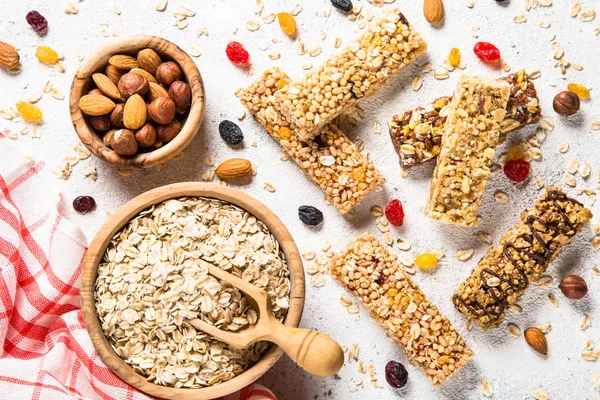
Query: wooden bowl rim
132, 208
126, 45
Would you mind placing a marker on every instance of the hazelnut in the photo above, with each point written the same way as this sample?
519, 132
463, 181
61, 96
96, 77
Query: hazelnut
167, 132
101, 123
108, 137
168, 72
573, 287
155, 91
146, 136
95, 92
116, 116
181, 94
131, 84
566, 103
162, 110
113, 73
123, 142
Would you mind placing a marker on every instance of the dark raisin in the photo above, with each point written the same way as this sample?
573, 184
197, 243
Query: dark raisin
84, 204
230, 132
380, 279
403, 19
310, 215
37, 22
344, 5
395, 374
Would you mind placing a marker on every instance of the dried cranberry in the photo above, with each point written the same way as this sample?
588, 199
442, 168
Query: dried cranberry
37, 22
84, 204
237, 54
395, 374
487, 52
517, 170
395, 213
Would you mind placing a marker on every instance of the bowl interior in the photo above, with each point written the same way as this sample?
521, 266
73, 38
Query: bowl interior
121, 218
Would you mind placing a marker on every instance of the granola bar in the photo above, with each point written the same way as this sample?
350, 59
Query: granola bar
382, 51
372, 274
468, 146
330, 160
417, 134
521, 257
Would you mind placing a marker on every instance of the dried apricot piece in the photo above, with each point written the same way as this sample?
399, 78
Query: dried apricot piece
454, 57
515, 153
579, 90
29, 112
46, 55
287, 22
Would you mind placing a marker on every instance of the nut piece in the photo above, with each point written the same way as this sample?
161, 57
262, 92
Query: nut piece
155, 91
95, 92
434, 11
106, 86
148, 60
566, 103
181, 94
116, 116
113, 73
573, 287
161, 110
100, 123
146, 136
167, 132
234, 168
123, 142
135, 112
9, 57
536, 339
92, 104
168, 72
121, 61
108, 137
149, 77
131, 83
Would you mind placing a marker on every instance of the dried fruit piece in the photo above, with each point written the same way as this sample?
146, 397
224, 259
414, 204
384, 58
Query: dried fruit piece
310, 215
237, 54
454, 57
395, 213
46, 55
395, 374
344, 5
486, 52
573, 287
84, 204
287, 22
37, 22
566, 103
515, 153
426, 260
230, 132
517, 170
29, 112
579, 90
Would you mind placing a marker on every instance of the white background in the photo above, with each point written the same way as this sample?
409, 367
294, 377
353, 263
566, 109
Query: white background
508, 363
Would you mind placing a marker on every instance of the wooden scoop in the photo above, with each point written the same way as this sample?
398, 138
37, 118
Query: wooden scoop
317, 353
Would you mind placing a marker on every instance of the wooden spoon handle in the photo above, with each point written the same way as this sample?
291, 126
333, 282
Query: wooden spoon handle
315, 352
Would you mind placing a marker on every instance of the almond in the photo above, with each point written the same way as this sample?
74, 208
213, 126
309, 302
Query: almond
113, 73
149, 77
93, 104
434, 11
106, 86
148, 60
121, 61
234, 168
536, 340
9, 57
155, 91
135, 113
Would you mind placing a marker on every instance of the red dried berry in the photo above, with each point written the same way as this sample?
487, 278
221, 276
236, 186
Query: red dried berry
395, 213
395, 374
487, 52
517, 170
37, 22
84, 204
237, 54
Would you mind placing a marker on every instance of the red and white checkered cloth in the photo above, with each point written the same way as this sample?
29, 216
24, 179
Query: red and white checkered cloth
46, 352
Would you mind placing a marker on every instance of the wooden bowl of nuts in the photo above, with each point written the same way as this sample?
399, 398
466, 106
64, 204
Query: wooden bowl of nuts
140, 286
138, 101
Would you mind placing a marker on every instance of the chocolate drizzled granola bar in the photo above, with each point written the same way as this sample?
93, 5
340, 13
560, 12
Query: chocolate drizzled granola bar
372, 274
468, 147
330, 160
522, 256
417, 134
383, 50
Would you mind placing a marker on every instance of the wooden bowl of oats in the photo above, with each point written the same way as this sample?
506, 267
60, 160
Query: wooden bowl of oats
140, 284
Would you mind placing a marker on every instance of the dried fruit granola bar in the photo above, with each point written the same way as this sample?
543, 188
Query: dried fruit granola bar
417, 134
522, 256
372, 274
330, 160
383, 50
468, 146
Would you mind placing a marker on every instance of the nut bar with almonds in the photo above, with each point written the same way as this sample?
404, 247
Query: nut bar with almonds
417, 134
330, 160
374, 276
521, 257
383, 50
468, 147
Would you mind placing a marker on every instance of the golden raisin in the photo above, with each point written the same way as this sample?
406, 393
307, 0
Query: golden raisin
426, 260
515, 153
29, 112
454, 57
282, 83
579, 90
359, 174
287, 22
285, 133
46, 55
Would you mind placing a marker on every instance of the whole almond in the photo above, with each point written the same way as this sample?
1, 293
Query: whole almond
122, 61
106, 86
434, 11
148, 60
113, 73
93, 104
135, 112
234, 168
9, 57
536, 339
155, 91
149, 77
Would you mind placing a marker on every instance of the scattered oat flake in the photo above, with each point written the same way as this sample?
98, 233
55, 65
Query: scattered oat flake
252, 26
486, 388
589, 355
417, 83
552, 300
539, 394
519, 19
161, 5
564, 147
501, 197
545, 328
71, 9
513, 330
484, 237
586, 323
403, 244
269, 187
464, 255
353, 352
575, 8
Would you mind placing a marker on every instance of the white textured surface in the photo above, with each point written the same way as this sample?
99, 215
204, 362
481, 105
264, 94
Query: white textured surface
508, 363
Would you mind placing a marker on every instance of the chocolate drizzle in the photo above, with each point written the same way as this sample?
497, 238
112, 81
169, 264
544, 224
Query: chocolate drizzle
520, 280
